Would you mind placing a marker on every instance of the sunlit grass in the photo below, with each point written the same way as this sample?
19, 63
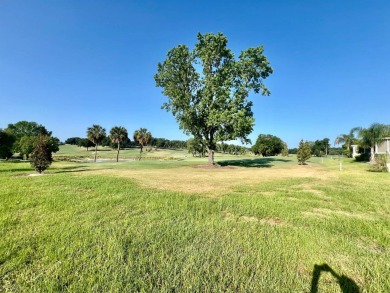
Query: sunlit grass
172, 225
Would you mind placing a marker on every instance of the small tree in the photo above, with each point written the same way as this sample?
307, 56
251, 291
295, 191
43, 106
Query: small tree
96, 134
285, 150
41, 156
118, 134
303, 153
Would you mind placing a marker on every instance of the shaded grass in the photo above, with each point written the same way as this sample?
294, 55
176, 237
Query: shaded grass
110, 230
253, 163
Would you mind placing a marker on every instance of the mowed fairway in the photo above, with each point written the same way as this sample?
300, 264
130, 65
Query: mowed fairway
252, 225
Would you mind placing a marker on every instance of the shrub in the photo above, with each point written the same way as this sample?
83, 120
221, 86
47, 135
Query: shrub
365, 157
380, 164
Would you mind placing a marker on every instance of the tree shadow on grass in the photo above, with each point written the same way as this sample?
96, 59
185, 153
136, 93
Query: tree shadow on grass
347, 285
14, 170
252, 163
74, 169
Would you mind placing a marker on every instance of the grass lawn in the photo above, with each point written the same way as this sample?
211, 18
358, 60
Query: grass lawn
253, 225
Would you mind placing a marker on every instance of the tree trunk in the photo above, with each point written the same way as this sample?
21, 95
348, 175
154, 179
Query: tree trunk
372, 157
211, 157
117, 154
95, 151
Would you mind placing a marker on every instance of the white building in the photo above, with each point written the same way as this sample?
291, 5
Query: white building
383, 147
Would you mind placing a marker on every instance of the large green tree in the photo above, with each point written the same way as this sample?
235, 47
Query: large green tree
373, 135
268, 145
143, 137
320, 147
118, 135
96, 134
85, 142
6, 142
208, 88
26, 133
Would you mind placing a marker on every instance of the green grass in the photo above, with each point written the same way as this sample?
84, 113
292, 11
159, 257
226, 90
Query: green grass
117, 227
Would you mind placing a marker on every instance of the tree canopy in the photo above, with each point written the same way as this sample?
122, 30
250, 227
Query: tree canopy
268, 145
208, 89
6, 142
196, 147
41, 156
347, 140
373, 135
25, 134
320, 147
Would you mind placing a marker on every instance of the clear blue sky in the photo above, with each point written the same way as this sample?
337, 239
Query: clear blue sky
68, 64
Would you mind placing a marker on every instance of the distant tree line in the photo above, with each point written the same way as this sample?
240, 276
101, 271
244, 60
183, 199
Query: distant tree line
155, 142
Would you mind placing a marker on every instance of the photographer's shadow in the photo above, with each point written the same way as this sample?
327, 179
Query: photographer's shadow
347, 285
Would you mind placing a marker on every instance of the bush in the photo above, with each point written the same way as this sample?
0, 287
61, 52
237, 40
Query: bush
380, 164
363, 157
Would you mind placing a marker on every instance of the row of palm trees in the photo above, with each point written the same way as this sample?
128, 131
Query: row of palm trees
118, 135
365, 137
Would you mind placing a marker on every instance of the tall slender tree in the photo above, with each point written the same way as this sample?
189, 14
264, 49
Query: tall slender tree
208, 88
96, 134
118, 134
373, 135
142, 136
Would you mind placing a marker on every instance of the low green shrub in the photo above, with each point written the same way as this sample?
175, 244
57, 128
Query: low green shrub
363, 157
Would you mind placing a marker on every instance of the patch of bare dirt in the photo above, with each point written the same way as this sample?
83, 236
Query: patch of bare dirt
29, 175
370, 245
213, 167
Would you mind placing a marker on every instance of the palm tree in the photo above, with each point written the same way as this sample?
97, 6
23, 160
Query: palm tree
118, 134
142, 136
374, 135
348, 139
96, 134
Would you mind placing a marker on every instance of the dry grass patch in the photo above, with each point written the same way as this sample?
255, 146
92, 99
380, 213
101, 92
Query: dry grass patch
327, 213
272, 221
214, 181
